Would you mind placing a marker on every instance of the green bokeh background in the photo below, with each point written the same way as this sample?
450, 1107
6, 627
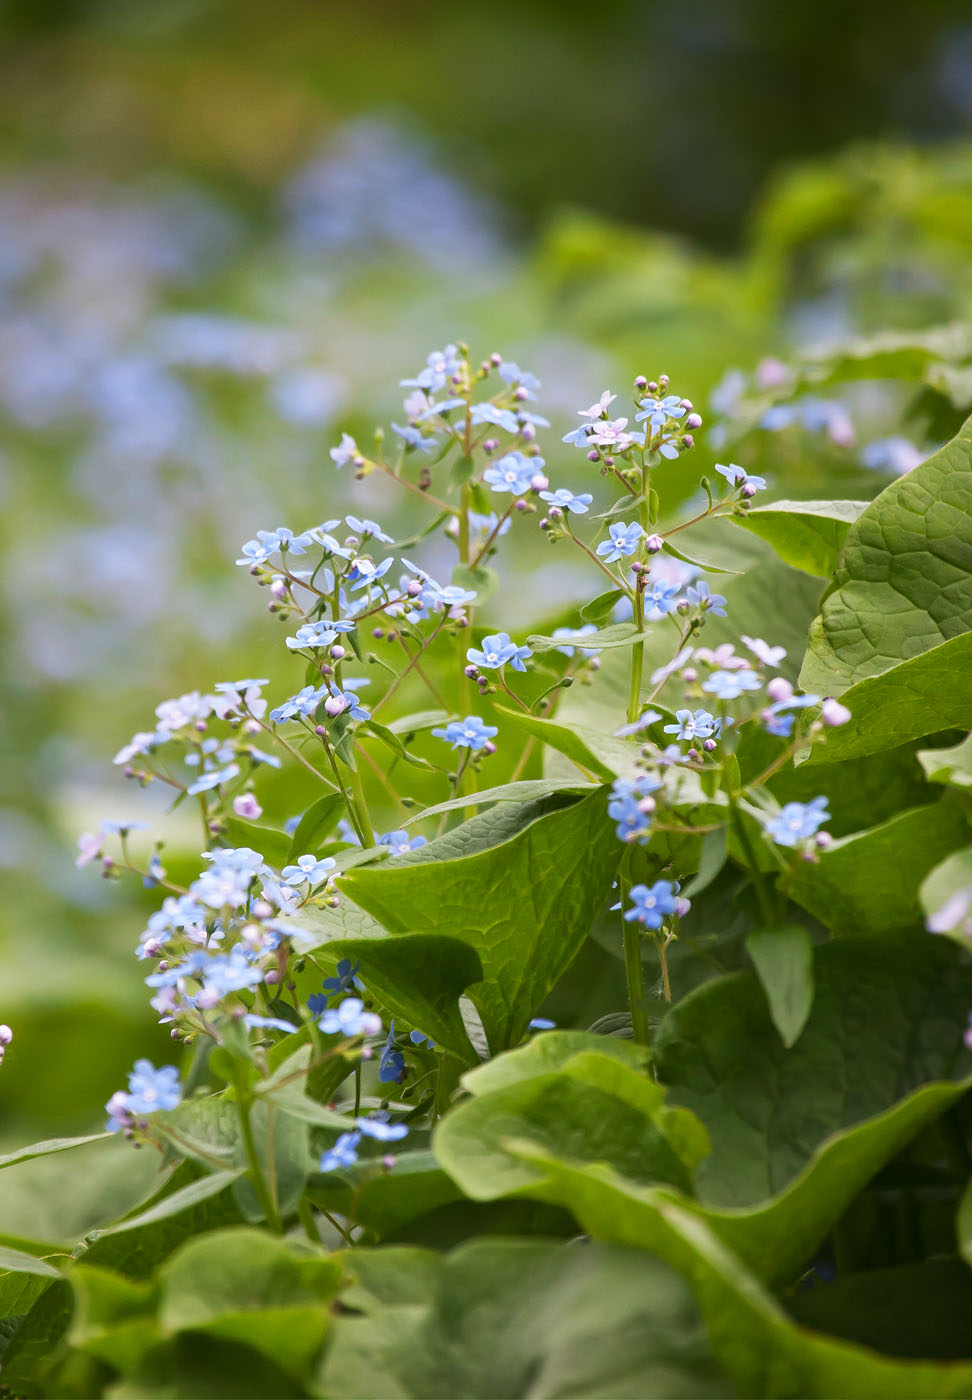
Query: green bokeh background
596, 191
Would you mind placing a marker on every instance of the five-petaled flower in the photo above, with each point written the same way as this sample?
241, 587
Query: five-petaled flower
468, 733
623, 542
650, 904
798, 821
497, 651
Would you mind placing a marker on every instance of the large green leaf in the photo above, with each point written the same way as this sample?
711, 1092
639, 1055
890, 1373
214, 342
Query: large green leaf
546, 1053
952, 766
762, 1351
904, 585
519, 1317
596, 754
870, 883
243, 1285
783, 959
887, 1019
525, 905
921, 696
595, 1108
806, 534
44, 1149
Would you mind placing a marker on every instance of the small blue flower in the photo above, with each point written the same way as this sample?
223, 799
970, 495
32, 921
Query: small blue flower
631, 806
378, 1127
798, 821
346, 452
652, 903
305, 702
391, 1062
623, 542
400, 842
519, 378
736, 476
149, 1089
344, 1153
346, 978
513, 473
663, 597
659, 411
503, 418
700, 725
468, 733
313, 635
497, 651
698, 593
414, 437
420, 1038
364, 572
350, 1019
440, 367
777, 724
368, 527
308, 868
274, 1023
212, 778
729, 685
540, 1023
577, 505
580, 436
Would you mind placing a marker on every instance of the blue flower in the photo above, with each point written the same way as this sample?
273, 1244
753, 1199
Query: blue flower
391, 1062
541, 1023
308, 868
513, 473
273, 1023
212, 779
519, 378
729, 685
503, 418
415, 438
778, 724
497, 651
349, 1019
700, 725
798, 821
346, 977
577, 505
662, 596
631, 806
368, 527
400, 842
699, 594
623, 542
659, 411
580, 436
468, 733
420, 1038
440, 366
305, 702
257, 551
149, 1089
344, 1153
736, 476
313, 635
652, 903
378, 1127
364, 572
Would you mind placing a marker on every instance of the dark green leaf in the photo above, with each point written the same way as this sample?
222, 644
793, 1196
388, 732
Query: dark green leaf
783, 959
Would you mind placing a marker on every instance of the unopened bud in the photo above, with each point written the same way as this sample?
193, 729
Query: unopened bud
279, 588
833, 713
338, 652
823, 840
528, 432
709, 745
690, 674
496, 359
654, 543
779, 689
688, 441
490, 444
539, 482
641, 382
335, 705
694, 420
272, 977
647, 805
6, 1035
489, 747
748, 491
593, 455
262, 909
684, 905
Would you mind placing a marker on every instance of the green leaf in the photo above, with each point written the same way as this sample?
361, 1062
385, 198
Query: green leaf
620, 634
243, 1285
384, 1202
963, 1225
596, 754
951, 876
762, 1351
44, 1149
273, 845
783, 959
114, 1317
525, 790
887, 1018
952, 766
391, 741
707, 567
919, 697
595, 1108
500, 823
545, 1054
809, 535
870, 883
179, 1201
904, 584
415, 723
16, 1262
521, 1317
601, 606
316, 825
525, 905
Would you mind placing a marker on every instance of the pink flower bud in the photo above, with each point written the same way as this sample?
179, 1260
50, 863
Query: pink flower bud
690, 675
709, 745
279, 588
338, 652
539, 482
335, 705
694, 420
272, 977
684, 905
593, 455
263, 909
413, 590
246, 806
654, 543
833, 713
6, 1035
779, 689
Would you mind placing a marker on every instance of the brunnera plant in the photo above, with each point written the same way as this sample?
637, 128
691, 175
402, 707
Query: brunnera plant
383, 1169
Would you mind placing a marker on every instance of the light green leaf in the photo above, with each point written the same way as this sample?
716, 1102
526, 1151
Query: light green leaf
316, 825
525, 906
869, 883
545, 1054
415, 723
179, 1201
904, 584
391, 741
808, 535
114, 1317
919, 697
762, 1351
521, 1317
525, 790
783, 959
386, 1201
951, 876
620, 634
44, 1149
952, 766
596, 754
595, 1107
16, 1262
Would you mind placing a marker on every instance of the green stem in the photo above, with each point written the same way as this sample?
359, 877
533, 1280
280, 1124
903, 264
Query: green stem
361, 808
267, 1204
306, 1213
633, 969
759, 884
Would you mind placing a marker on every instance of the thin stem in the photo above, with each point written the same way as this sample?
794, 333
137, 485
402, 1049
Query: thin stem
411, 486
360, 803
513, 695
295, 753
427, 642
340, 1228
662, 942
306, 1213
267, 1204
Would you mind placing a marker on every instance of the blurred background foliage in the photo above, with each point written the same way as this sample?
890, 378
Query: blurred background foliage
228, 230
